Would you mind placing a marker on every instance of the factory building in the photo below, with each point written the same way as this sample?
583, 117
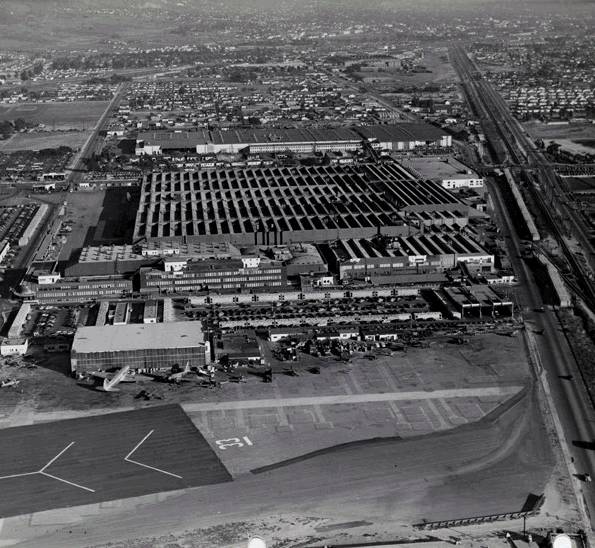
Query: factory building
143, 347
233, 275
273, 206
385, 260
106, 260
472, 301
33, 225
448, 172
405, 136
82, 289
253, 141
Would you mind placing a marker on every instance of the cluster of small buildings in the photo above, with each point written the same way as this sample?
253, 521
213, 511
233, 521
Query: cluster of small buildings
19, 223
31, 165
549, 103
300, 97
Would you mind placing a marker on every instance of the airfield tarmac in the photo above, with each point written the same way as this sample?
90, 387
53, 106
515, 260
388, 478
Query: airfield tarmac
487, 467
454, 432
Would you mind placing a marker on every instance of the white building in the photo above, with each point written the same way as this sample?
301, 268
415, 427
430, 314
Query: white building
12, 347
4, 249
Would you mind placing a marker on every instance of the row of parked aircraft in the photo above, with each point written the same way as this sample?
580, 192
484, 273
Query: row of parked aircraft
110, 381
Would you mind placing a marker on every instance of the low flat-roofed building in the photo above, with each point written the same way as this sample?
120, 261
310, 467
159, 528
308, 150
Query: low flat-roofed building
82, 289
379, 332
4, 249
449, 172
150, 312
121, 314
240, 347
108, 260
14, 346
475, 300
143, 347
405, 136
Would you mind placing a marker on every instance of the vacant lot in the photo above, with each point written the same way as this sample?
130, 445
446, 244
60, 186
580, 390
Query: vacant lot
565, 131
75, 115
49, 139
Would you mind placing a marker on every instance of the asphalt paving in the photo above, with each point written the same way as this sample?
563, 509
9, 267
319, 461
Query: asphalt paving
484, 468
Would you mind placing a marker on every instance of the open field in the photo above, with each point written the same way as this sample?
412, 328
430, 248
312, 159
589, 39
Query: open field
551, 132
74, 115
80, 461
576, 146
39, 141
441, 72
386, 485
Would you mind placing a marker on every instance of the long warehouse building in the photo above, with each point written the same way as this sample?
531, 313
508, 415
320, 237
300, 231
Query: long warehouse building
404, 136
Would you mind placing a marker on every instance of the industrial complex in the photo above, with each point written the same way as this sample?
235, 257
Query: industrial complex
284, 205
309, 283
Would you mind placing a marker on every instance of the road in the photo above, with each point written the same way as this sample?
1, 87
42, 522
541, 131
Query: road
549, 191
569, 395
93, 142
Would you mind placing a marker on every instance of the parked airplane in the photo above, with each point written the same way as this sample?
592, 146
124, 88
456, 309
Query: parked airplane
109, 384
5, 383
172, 377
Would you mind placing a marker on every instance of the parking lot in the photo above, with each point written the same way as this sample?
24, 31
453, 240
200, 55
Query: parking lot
49, 321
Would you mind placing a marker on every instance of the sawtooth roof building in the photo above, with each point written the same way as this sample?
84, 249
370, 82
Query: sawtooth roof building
282, 205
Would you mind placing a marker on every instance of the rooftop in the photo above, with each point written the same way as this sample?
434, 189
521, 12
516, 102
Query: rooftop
438, 168
401, 132
108, 338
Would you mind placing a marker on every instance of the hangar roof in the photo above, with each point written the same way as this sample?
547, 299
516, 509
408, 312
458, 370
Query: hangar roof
108, 338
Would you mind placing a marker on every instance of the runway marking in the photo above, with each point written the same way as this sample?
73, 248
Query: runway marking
66, 481
233, 442
58, 456
19, 475
43, 472
128, 459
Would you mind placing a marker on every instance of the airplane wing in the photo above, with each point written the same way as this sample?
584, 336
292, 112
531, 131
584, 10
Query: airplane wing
109, 385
